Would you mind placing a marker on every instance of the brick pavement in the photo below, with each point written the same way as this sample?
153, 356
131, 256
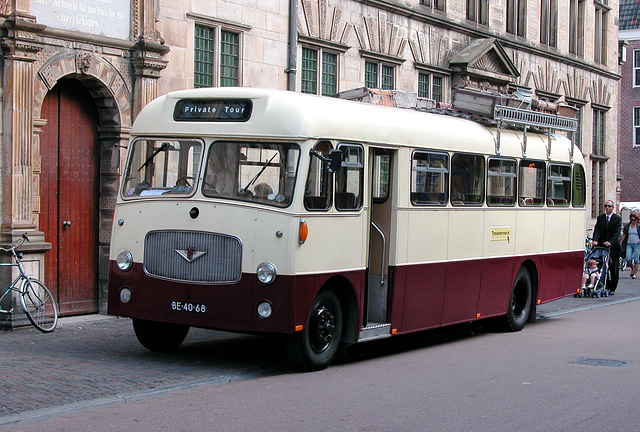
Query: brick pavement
87, 358
97, 357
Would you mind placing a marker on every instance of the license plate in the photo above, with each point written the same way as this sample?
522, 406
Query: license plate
188, 307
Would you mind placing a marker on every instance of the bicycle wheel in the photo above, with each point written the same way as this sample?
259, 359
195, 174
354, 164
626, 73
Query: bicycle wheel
38, 304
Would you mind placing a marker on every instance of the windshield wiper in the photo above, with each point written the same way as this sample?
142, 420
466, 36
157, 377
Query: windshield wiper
245, 190
164, 147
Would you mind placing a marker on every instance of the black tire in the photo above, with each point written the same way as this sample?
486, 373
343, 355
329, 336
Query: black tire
38, 304
519, 304
316, 346
159, 336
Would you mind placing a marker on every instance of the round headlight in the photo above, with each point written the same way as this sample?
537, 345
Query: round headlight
265, 309
266, 273
125, 295
124, 260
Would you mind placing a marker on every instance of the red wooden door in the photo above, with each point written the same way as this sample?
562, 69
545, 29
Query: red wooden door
69, 196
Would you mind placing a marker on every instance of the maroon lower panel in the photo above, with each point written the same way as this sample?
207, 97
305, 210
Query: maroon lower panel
433, 295
422, 296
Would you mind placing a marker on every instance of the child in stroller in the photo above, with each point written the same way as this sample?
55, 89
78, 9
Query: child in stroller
595, 272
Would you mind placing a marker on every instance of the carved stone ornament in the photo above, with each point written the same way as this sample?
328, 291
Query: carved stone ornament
83, 62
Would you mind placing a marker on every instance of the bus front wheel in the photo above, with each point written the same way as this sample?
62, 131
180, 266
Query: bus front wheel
315, 347
519, 303
159, 336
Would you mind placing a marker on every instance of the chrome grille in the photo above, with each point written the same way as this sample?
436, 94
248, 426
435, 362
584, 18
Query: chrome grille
177, 255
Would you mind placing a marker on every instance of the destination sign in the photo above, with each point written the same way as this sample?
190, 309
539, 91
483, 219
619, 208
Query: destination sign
212, 110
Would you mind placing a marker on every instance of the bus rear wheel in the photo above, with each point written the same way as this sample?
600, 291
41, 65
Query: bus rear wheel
519, 303
159, 336
315, 347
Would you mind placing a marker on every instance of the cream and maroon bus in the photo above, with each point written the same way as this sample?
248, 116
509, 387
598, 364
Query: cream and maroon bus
333, 222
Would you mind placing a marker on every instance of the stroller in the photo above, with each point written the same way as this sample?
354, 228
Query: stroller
599, 289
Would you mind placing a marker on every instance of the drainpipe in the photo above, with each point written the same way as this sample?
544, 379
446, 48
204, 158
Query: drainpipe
293, 45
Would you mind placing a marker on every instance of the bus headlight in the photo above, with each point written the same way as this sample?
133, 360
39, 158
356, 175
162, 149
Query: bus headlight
124, 260
266, 273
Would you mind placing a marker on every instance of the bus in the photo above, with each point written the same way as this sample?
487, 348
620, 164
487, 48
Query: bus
332, 222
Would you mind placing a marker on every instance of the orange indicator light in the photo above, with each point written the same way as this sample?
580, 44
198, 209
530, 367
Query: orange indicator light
478, 315
539, 302
304, 231
394, 331
298, 328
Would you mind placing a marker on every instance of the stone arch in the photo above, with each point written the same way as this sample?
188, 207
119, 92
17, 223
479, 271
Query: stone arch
112, 96
104, 81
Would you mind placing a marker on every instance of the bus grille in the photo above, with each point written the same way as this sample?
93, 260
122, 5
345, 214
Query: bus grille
191, 256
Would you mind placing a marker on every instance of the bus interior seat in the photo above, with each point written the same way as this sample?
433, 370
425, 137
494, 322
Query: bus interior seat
345, 200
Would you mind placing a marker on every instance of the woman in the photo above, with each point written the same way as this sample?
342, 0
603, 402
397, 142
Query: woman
631, 242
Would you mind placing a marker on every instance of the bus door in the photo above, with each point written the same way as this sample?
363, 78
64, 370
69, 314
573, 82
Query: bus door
376, 317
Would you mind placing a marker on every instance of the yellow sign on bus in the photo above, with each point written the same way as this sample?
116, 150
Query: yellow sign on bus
501, 233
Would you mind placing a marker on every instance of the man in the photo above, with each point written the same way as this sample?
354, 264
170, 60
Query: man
607, 233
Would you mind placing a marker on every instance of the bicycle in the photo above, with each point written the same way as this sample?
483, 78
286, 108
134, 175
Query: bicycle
36, 299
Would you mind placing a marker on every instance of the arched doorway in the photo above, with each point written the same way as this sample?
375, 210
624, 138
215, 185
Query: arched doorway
69, 193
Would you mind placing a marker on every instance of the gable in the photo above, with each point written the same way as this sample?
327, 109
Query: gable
484, 60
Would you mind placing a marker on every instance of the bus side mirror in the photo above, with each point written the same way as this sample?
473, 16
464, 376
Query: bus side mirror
335, 160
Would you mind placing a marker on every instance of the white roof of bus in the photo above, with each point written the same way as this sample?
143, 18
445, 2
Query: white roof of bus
280, 114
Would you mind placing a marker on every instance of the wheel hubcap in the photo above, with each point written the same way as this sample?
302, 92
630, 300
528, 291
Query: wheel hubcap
322, 328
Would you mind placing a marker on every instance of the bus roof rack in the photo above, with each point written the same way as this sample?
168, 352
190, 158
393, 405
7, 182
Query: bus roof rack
519, 109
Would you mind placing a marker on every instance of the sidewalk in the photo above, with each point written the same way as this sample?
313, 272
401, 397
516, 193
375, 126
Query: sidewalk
92, 360
97, 358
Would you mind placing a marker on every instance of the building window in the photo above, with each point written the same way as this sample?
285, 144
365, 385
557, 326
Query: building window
229, 58
327, 74
576, 136
379, 75
598, 132
309, 70
517, 17
598, 165
204, 53
600, 32
387, 77
597, 187
478, 11
636, 126
430, 86
576, 27
636, 68
549, 22
205, 57
435, 4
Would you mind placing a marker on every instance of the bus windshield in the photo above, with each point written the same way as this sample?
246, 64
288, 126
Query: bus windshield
258, 172
162, 166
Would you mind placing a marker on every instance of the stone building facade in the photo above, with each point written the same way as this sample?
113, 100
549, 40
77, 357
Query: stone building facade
76, 72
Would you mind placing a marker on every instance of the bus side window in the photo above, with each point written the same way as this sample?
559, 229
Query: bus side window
429, 178
501, 182
318, 187
531, 183
467, 179
350, 178
579, 187
559, 185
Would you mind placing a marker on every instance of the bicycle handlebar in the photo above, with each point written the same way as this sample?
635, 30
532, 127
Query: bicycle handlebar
24, 237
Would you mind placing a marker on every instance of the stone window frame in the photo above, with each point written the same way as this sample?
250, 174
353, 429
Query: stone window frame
322, 46
381, 60
549, 23
600, 29
218, 26
577, 21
